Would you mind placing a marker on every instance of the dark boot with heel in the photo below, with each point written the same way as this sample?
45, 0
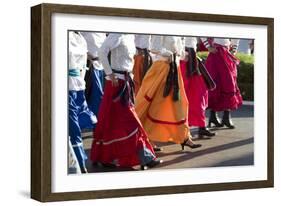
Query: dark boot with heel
189, 144
151, 164
204, 133
214, 120
226, 120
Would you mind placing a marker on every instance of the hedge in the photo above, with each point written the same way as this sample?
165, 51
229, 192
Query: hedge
245, 74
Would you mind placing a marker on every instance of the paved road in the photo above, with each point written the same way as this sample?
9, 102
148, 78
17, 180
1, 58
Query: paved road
230, 147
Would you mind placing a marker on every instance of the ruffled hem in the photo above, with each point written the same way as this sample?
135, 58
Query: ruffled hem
122, 151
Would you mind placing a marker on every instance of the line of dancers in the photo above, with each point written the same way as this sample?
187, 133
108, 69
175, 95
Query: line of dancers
137, 90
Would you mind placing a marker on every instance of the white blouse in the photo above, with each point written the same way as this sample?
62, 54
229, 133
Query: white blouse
94, 42
142, 41
122, 49
224, 42
191, 42
77, 59
165, 46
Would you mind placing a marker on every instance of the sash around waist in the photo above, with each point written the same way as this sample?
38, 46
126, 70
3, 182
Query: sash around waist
140, 51
121, 74
121, 71
74, 72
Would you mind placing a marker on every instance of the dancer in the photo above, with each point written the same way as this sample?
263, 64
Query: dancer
142, 59
222, 66
94, 77
80, 116
161, 103
196, 87
120, 139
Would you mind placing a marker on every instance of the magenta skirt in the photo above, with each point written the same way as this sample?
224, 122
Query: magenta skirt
222, 67
197, 95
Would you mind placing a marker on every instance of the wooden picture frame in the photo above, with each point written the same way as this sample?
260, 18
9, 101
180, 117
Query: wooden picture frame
41, 118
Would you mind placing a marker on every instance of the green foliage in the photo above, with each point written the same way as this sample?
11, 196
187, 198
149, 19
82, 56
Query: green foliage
245, 74
248, 59
202, 55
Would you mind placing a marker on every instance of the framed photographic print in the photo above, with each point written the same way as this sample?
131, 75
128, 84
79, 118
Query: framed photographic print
128, 102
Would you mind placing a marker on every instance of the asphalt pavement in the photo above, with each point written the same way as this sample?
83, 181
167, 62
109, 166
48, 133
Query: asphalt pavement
230, 147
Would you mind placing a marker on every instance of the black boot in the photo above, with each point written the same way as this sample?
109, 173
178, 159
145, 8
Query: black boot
151, 164
226, 120
214, 119
83, 170
203, 131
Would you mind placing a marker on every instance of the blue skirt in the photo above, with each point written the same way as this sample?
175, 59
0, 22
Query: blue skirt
79, 117
94, 90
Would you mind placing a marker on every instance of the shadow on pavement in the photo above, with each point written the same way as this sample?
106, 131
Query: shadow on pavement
188, 155
245, 111
240, 161
191, 155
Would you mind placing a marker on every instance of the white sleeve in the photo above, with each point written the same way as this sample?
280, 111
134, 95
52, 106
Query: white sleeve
87, 38
111, 42
156, 43
77, 52
234, 44
95, 45
157, 46
91, 39
181, 47
191, 42
205, 42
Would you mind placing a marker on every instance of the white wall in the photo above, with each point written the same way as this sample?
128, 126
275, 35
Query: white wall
15, 101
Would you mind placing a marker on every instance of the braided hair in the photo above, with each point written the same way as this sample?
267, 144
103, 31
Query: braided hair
172, 81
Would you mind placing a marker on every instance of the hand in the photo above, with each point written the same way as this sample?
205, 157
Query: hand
234, 52
212, 50
168, 55
169, 59
89, 56
113, 79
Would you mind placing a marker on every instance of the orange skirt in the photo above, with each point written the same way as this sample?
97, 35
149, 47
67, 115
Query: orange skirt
137, 71
163, 119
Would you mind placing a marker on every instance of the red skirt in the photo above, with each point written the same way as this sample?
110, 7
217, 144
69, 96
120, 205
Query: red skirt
119, 134
222, 68
197, 95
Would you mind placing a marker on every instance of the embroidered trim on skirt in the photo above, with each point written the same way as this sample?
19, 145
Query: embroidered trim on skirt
119, 136
163, 119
